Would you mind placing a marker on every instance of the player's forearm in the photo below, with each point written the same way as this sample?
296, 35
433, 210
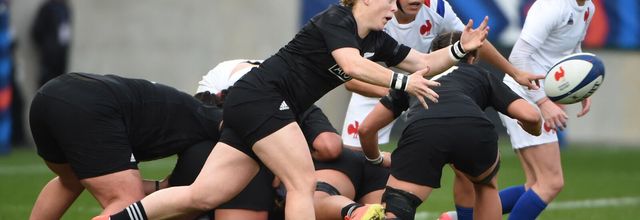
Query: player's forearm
366, 89
489, 53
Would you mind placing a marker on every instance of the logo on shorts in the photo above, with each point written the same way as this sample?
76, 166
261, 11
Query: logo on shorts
132, 159
548, 128
284, 106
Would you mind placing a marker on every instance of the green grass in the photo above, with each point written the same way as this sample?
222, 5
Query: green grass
592, 174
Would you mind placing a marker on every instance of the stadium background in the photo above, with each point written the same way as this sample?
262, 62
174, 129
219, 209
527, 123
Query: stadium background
175, 42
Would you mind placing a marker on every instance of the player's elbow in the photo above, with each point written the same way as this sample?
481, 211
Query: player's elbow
328, 146
527, 115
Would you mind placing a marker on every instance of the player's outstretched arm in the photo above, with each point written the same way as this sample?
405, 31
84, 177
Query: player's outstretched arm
379, 117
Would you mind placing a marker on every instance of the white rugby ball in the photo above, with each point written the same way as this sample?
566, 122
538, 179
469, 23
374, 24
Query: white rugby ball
574, 78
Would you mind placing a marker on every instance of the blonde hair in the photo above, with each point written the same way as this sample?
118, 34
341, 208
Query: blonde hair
348, 3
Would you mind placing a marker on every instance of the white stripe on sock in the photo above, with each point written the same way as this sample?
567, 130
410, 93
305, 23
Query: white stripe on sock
138, 211
130, 214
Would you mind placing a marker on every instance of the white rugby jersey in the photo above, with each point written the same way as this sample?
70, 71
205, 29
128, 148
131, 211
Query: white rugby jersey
555, 28
435, 17
220, 77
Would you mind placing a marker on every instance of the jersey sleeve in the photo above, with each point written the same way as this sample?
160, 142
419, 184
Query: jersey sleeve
501, 95
451, 20
541, 20
337, 29
389, 50
396, 101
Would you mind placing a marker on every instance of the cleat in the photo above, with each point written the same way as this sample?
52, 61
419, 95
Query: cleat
450, 215
367, 212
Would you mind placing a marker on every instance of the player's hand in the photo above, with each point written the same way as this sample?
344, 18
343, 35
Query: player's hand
527, 79
418, 86
552, 114
472, 39
586, 106
386, 162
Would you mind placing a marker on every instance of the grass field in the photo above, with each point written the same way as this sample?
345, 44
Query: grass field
600, 184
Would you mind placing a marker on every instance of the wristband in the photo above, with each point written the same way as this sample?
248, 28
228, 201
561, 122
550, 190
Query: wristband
399, 81
456, 52
376, 161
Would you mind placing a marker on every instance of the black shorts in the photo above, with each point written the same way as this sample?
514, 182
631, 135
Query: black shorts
250, 115
364, 176
426, 145
83, 129
349, 163
313, 122
257, 196
374, 178
189, 163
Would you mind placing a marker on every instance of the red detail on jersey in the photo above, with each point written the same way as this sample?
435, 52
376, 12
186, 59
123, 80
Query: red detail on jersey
559, 74
586, 15
427, 3
598, 31
425, 29
353, 129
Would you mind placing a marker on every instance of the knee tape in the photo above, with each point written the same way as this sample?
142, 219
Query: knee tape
325, 187
401, 203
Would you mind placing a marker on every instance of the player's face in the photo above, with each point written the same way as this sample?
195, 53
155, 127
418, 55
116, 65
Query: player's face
383, 11
410, 7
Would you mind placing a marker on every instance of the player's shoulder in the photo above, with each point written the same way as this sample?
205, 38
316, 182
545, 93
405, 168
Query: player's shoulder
439, 7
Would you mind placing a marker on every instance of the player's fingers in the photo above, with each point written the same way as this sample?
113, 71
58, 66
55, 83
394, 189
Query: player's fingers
536, 77
423, 102
586, 106
485, 23
432, 95
469, 26
431, 83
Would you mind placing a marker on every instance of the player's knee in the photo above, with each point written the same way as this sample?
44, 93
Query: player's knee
555, 185
303, 184
205, 200
400, 203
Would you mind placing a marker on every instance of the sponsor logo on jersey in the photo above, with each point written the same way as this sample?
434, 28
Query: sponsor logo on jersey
353, 129
586, 15
283, 106
337, 71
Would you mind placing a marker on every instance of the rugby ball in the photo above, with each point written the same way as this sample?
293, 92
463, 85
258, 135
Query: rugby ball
574, 78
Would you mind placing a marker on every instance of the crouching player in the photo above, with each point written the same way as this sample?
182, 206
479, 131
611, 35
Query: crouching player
455, 130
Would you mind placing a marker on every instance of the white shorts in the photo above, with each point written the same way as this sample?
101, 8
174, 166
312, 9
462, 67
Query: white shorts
519, 137
359, 107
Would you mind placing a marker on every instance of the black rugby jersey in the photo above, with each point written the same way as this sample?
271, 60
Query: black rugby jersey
304, 70
465, 92
160, 120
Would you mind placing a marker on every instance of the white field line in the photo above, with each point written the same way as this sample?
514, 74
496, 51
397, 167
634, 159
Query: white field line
564, 205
